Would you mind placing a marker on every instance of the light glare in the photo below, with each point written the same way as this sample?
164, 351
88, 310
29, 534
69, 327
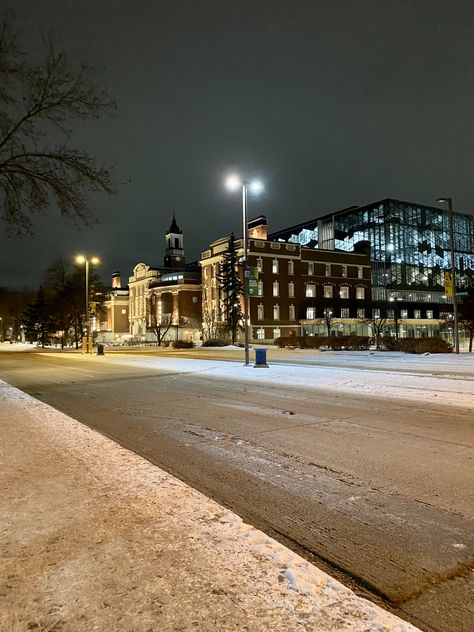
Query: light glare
80, 259
256, 186
233, 182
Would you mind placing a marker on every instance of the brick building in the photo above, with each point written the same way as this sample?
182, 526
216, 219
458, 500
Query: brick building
298, 289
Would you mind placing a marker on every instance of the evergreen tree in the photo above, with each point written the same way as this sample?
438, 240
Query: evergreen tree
231, 288
38, 322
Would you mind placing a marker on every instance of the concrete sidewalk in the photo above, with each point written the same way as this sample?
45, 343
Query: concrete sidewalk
93, 537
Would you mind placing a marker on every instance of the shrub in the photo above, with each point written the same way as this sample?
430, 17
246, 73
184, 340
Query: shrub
425, 345
215, 342
182, 344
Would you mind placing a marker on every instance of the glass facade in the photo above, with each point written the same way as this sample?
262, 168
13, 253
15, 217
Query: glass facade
409, 243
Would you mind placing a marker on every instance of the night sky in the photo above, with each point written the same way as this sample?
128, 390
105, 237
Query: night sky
333, 103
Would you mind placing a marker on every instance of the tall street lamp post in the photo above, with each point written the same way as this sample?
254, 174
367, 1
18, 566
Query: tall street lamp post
234, 183
87, 261
449, 202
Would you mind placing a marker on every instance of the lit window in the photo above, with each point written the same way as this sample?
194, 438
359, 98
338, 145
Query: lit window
404, 313
260, 264
310, 290
376, 313
260, 288
276, 312
344, 271
124, 311
291, 289
328, 270
275, 266
360, 272
291, 312
311, 268
291, 267
390, 313
311, 313
429, 313
344, 312
360, 293
276, 288
260, 312
261, 334
276, 332
195, 299
361, 312
327, 291
416, 313
344, 291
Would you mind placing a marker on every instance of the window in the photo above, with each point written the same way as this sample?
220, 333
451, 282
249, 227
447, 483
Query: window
344, 271
310, 267
376, 313
260, 288
391, 313
260, 264
360, 272
276, 312
260, 312
361, 312
261, 334
344, 291
291, 267
124, 311
195, 299
360, 293
429, 313
275, 266
311, 313
344, 312
416, 313
403, 313
327, 270
310, 290
276, 288
291, 312
327, 291
276, 332
291, 289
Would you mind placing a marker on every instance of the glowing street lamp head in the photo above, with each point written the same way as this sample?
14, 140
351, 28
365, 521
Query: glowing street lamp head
95, 260
256, 186
80, 259
233, 182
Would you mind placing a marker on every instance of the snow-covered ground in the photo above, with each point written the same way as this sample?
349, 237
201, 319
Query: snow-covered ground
94, 537
443, 379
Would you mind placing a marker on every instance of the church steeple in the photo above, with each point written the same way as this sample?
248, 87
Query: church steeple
174, 253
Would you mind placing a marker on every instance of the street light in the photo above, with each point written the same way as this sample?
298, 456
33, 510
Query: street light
234, 183
449, 202
92, 260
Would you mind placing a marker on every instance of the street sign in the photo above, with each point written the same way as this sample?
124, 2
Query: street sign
253, 288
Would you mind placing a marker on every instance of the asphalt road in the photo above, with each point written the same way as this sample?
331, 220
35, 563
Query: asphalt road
377, 491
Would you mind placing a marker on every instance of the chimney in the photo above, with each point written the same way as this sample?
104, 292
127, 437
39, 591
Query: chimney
257, 228
116, 281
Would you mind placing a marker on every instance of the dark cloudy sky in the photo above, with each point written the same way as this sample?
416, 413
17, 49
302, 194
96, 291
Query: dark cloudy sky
333, 102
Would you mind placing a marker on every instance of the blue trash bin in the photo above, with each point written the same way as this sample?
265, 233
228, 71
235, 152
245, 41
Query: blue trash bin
260, 359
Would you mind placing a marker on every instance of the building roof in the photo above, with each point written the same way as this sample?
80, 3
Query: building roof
174, 228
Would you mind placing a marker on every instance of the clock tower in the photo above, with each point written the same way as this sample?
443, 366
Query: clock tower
174, 253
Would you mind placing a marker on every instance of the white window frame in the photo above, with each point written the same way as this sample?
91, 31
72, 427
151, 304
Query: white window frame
328, 291
291, 266
275, 266
310, 290
360, 293
344, 292
310, 268
291, 289
276, 312
292, 312
260, 312
310, 313
276, 288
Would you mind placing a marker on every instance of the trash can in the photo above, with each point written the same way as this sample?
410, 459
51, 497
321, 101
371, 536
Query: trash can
100, 350
260, 359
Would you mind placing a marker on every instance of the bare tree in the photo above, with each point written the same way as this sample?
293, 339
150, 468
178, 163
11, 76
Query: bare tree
37, 103
377, 327
158, 323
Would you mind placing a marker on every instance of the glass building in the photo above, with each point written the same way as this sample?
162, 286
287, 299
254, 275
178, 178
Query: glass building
410, 251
